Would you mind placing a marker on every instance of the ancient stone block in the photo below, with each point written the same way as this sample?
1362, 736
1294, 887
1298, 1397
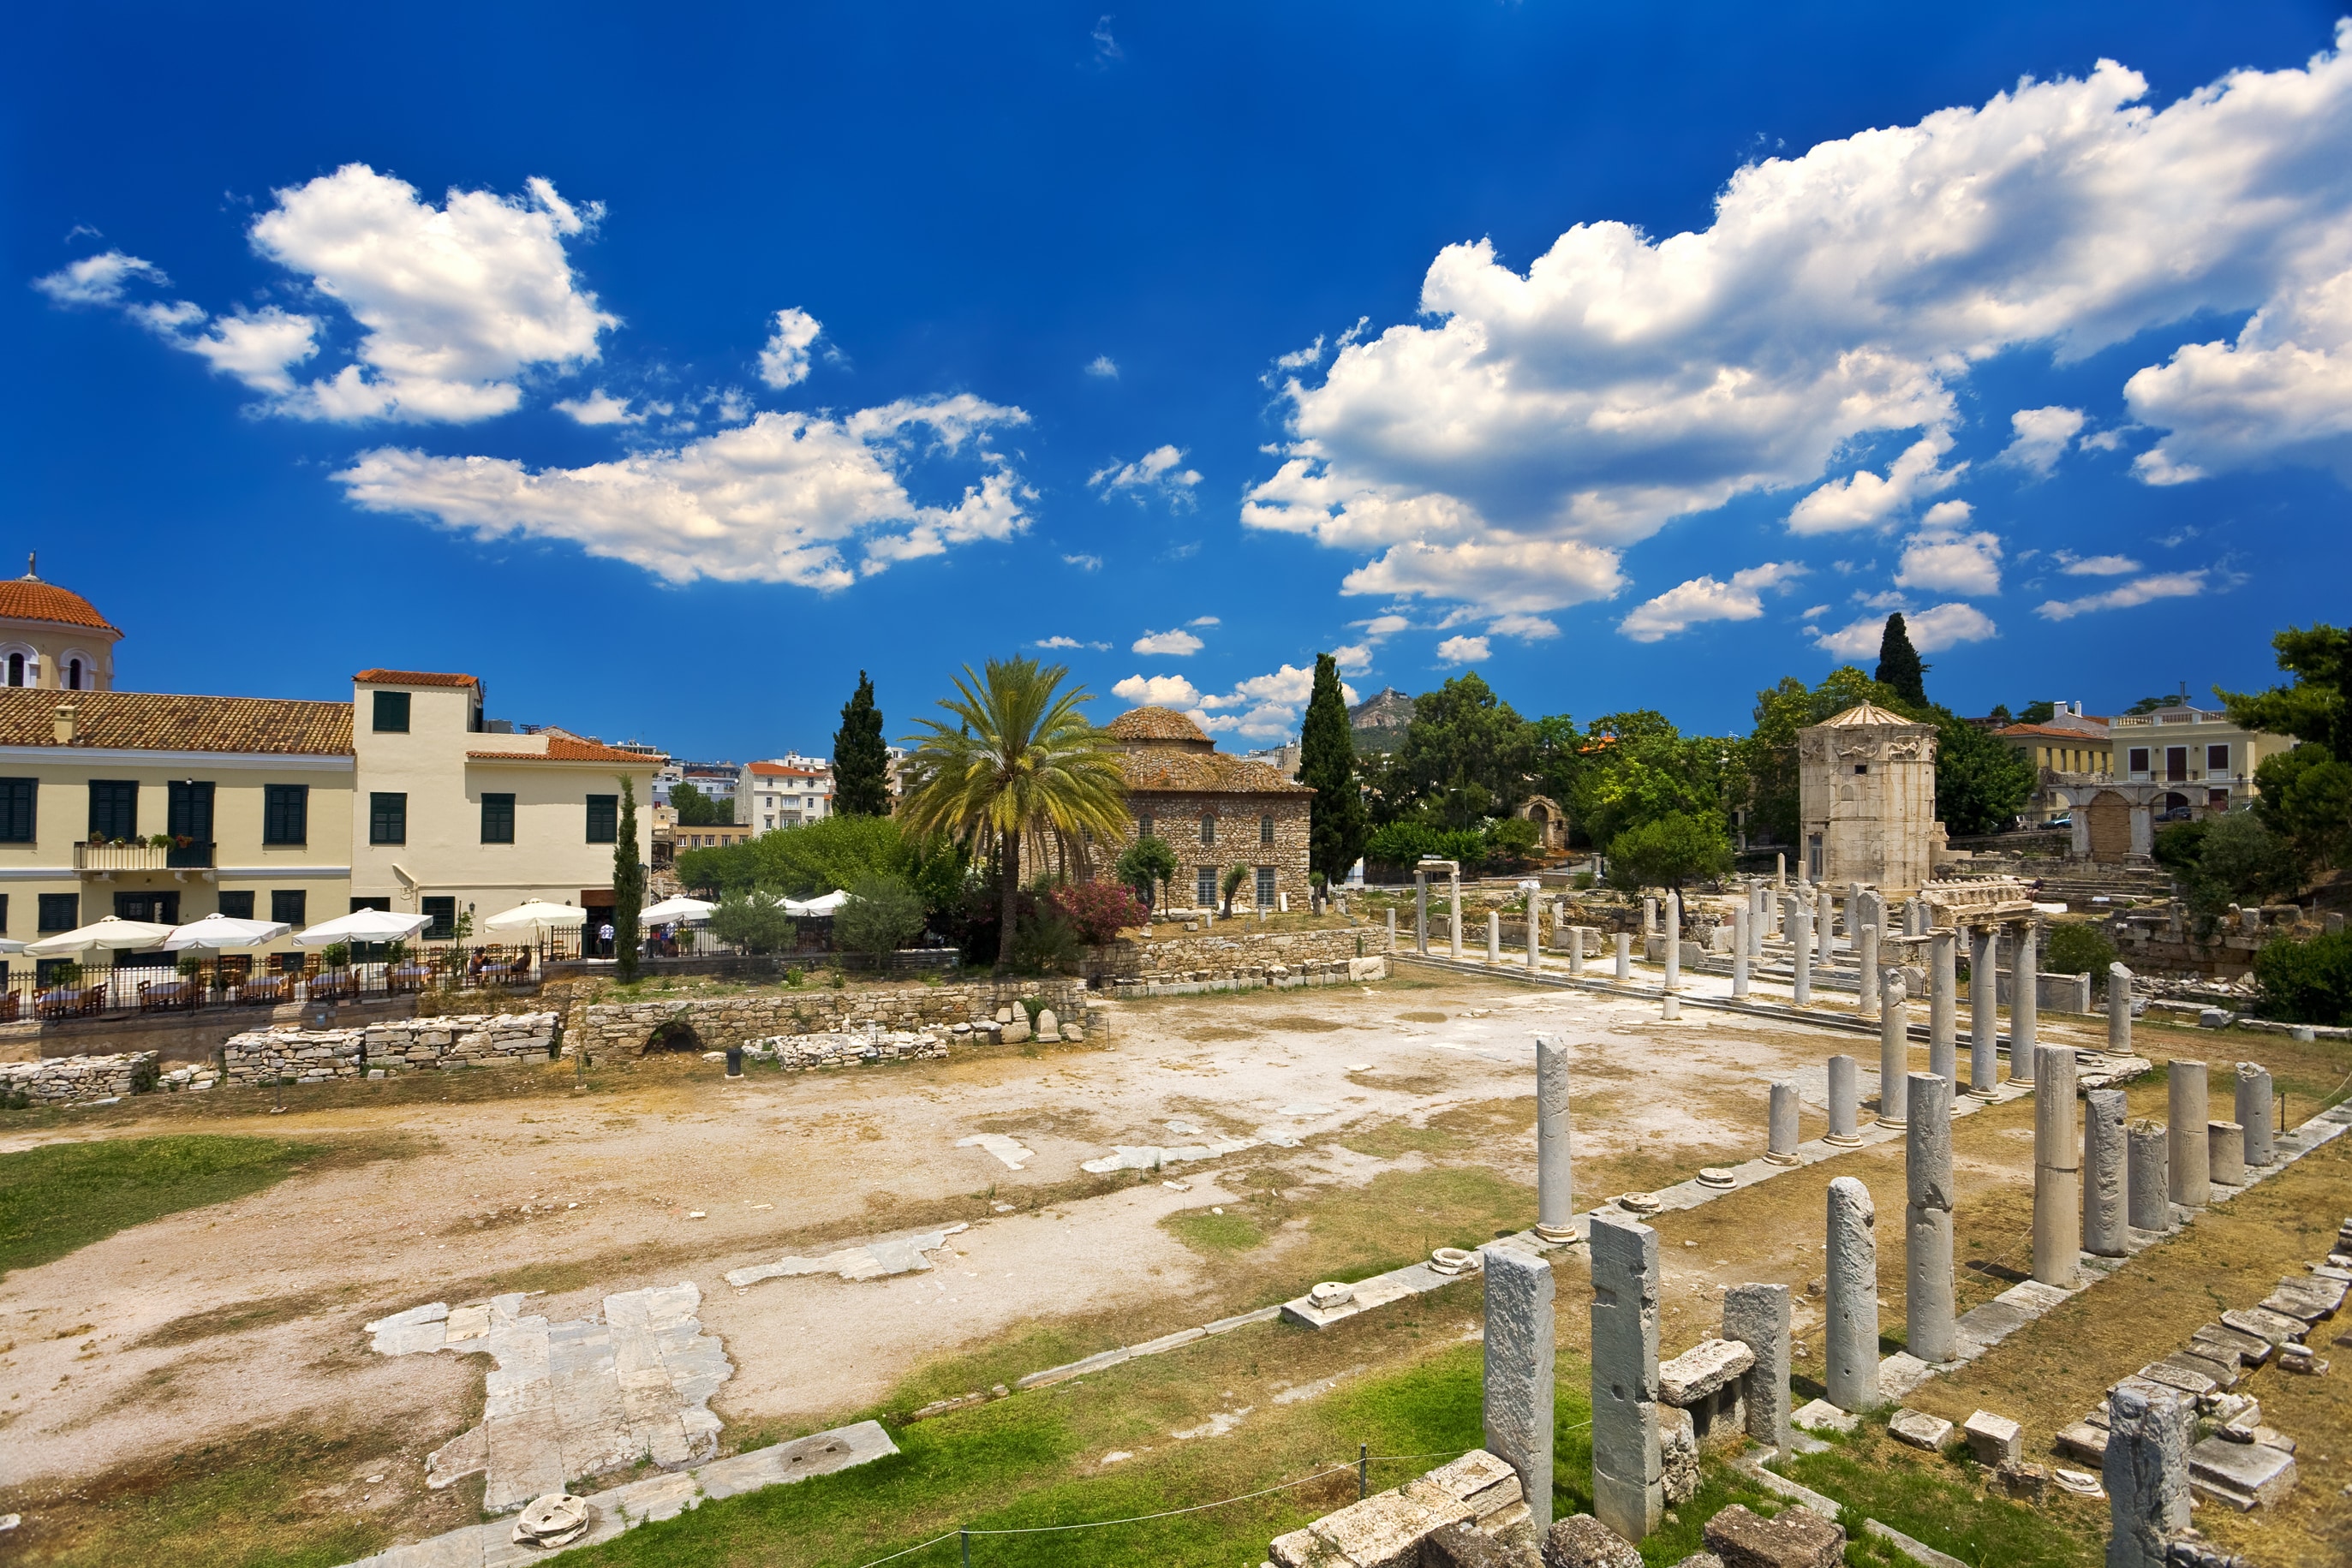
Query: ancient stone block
1993, 1439
1920, 1430
1626, 1486
1518, 1372
1758, 1317
1678, 1472
1794, 1538
1699, 1371
2145, 1467
1581, 1541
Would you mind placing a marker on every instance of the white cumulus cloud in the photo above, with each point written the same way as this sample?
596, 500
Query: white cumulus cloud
1158, 691
2096, 565
784, 498
1837, 302
784, 361
257, 347
1706, 599
600, 407
1464, 650
1930, 631
1158, 471
1943, 562
1178, 643
1104, 367
2139, 591
99, 279
1264, 705
2042, 436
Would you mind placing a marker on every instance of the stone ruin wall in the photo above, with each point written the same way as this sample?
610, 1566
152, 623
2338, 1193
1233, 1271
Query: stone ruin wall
78, 1080
1232, 945
628, 1028
2163, 938
425, 1044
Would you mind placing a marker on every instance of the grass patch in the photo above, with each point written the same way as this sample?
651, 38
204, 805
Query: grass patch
1204, 1231
63, 1196
1937, 1502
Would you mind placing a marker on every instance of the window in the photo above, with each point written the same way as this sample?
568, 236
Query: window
440, 918
392, 713
1266, 884
285, 814
188, 805
113, 808
604, 818
73, 675
1266, 829
383, 905
1143, 827
1861, 767
291, 905
4, 917
1208, 828
15, 669
497, 818
387, 819
60, 910
2217, 759
2217, 799
1205, 886
16, 812
236, 905
2139, 754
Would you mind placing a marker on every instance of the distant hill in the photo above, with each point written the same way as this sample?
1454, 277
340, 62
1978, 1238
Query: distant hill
1379, 720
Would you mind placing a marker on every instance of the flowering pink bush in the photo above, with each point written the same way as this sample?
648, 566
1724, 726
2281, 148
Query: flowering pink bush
1099, 910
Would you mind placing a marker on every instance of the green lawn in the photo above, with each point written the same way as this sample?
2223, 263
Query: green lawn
66, 1196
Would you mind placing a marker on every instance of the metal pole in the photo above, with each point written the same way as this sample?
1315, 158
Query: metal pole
1364, 1470
965, 1535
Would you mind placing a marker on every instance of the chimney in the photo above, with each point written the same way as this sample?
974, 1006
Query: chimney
63, 721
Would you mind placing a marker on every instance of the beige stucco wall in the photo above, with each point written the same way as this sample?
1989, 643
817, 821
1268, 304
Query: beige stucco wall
48, 645
241, 862
443, 855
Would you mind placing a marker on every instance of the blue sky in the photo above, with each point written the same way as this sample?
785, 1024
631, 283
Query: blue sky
666, 367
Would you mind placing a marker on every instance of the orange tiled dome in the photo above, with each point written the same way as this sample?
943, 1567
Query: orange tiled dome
28, 598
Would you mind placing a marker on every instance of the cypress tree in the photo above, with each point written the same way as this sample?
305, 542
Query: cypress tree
1898, 663
861, 763
628, 882
1327, 761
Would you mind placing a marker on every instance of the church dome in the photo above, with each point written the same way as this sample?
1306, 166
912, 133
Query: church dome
28, 598
1158, 728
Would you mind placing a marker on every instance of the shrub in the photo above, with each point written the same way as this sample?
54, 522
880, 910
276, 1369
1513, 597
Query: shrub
1682, 847
1097, 910
2078, 948
1512, 840
2178, 845
755, 921
1045, 941
2308, 981
1146, 865
882, 915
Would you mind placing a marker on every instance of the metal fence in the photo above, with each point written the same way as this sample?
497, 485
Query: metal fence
59, 989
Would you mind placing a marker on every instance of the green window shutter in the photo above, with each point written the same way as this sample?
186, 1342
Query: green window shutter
18, 796
497, 818
604, 818
387, 818
392, 713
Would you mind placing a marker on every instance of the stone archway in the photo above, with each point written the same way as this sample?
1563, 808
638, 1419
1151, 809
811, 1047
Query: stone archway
673, 1034
2109, 817
1550, 821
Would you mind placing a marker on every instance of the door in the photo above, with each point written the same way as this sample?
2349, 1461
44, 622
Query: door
2110, 828
2176, 763
190, 817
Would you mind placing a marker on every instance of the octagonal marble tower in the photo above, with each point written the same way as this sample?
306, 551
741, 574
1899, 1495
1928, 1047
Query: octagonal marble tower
1866, 786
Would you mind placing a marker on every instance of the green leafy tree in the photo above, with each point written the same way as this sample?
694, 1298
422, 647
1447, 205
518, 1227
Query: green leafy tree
1146, 865
1326, 762
2240, 860
2178, 846
1015, 759
1898, 663
1669, 851
1981, 784
2040, 712
2316, 705
1511, 840
882, 915
2307, 981
628, 882
755, 921
2154, 704
2078, 947
1465, 757
1235, 876
861, 763
1766, 759
1559, 748
696, 810
1639, 768
2306, 800
815, 858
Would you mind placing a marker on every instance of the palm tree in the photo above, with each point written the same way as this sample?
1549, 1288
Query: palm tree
1016, 759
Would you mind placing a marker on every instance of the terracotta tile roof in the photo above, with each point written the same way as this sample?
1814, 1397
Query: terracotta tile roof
156, 721
30, 599
571, 748
1155, 723
1204, 773
2053, 732
778, 770
412, 678
1870, 713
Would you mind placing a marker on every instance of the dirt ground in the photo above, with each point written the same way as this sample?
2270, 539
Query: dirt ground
216, 1324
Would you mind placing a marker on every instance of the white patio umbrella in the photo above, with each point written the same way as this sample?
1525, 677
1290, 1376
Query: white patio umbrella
680, 908
830, 904
219, 933
112, 934
362, 925
537, 915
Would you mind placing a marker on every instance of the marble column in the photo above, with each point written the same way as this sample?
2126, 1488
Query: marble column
1741, 919
1624, 955
1800, 942
1535, 935
1493, 937
1984, 1014
2147, 1180
1649, 916
2057, 1169
1628, 1484
1555, 1176
2119, 1016
1824, 921
1454, 882
2024, 1000
1929, 1320
1421, 912
2186, 1160
2256, 1105
2144, 1470
1392, 914
1845, 1102
1780, 870
2225, 1159
1674, 940
1894, 1052
1853, 1340
1866, 955
1943, 1037
1781, 1141
1758, 1317
1518, 1402
2104, 1163
1576, 950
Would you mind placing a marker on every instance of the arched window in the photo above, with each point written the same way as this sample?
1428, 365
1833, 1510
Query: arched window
73, 675
15, 669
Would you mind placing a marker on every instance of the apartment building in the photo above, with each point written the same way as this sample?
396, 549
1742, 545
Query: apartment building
783, 792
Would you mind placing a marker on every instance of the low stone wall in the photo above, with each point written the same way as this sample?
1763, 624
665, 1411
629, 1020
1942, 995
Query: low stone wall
807, 1052
1273, 977
425, 1044
1231, 945
2163, 938
705, 1023
78, 1080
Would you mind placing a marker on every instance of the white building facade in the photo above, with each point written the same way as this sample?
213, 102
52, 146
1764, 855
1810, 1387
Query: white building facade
783, 792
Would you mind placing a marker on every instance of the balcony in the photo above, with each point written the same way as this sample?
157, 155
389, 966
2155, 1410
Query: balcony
106, 860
